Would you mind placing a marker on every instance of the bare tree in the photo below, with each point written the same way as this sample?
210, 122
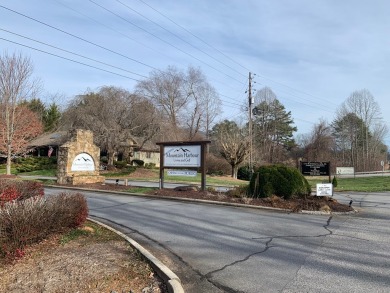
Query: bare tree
188, 103
363, 105
165, 90
16, 85
203, 104
114, 116
232, 143
319, 143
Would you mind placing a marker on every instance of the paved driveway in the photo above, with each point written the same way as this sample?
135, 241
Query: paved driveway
228, 249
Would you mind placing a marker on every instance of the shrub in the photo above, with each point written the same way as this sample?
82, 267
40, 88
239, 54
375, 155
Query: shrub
29, 164
150, 165
278, 180
72, 209
31, 220
137, 162
217, 166
244, 173
104, 159
120, 164
334, 181
19, 190
238, 191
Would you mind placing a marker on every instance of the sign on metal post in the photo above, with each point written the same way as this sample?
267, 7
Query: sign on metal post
325, 189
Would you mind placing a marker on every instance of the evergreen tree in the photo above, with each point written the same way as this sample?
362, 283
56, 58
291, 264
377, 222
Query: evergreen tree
51, 117
273, 127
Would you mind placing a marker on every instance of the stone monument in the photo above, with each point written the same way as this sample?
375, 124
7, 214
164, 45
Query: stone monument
79, 160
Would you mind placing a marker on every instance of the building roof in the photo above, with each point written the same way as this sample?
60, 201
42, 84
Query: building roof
50, 139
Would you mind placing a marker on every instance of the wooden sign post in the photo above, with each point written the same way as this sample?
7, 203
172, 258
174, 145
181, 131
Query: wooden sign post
183, 155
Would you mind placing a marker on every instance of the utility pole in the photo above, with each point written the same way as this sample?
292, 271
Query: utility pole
250, 103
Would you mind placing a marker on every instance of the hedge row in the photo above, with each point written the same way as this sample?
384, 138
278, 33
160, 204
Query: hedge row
29, 221
19, 190
35, 163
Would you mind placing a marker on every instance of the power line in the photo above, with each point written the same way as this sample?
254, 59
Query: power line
200, 39
77, 37
180, 38
188, 31
112, 29
68, 59
162, 40
76, 54
132, 39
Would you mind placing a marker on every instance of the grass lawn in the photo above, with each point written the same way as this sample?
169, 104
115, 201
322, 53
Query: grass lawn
364, 184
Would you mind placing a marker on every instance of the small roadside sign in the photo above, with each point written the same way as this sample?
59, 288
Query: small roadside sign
190, 173
325, 189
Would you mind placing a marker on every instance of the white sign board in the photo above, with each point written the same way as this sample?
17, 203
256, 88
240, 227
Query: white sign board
345, 170
190, 173
182, 156
325, 189
83, 162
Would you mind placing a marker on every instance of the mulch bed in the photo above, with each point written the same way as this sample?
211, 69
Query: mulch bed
311, 203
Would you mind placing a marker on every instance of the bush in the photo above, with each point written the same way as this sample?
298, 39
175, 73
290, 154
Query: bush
137, 162
11, 190
150, 165
104, 159
278, 180
31, 220
120, 164
217, 166
238, 191
29, 164
244, 173
334, 181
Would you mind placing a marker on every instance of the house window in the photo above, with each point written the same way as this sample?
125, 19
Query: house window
148, 155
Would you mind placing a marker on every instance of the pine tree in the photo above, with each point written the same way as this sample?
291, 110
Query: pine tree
273, 127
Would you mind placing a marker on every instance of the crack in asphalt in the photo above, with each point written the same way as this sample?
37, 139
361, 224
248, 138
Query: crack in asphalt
209, 275
197, 272
267, 246
326, 227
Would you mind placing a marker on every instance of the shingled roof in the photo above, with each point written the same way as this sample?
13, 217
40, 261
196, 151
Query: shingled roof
50, 139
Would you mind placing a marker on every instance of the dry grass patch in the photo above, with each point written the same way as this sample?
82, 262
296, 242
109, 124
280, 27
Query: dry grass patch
88, 259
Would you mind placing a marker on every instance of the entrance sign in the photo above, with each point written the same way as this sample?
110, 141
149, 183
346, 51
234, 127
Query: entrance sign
315, 168
325, 189
83, 162
189, 173
182, 156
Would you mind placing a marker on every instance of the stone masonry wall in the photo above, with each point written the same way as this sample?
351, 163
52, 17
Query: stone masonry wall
81, 142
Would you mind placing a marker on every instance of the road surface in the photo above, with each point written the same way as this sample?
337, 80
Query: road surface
229, 249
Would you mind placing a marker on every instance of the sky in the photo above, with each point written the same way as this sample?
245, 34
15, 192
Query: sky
312, 54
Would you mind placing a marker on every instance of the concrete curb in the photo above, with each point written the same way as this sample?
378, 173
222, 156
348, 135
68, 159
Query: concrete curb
173, 198
170, 278
205, 201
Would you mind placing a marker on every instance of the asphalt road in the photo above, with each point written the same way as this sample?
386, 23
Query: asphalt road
228, 249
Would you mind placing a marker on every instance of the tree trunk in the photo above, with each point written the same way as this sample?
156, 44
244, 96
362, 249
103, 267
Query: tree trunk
234, 171
110, 156
8, 169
